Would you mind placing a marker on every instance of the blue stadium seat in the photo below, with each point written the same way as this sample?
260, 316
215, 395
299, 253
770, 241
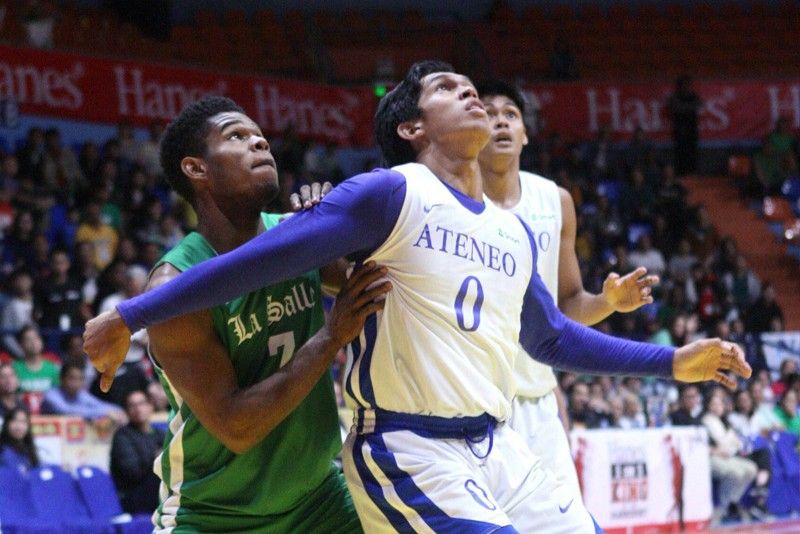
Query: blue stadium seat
17, 511
55, 494
100, 497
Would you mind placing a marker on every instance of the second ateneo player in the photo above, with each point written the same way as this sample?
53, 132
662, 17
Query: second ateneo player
550, 213
433, 374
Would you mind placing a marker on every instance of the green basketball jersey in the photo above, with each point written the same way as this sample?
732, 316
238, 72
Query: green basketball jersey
289, 476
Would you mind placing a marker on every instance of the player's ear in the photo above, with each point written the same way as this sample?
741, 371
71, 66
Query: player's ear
194, 168
525, 139
410, 130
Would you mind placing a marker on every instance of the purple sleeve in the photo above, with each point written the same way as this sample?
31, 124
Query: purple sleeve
355, 217
552, 338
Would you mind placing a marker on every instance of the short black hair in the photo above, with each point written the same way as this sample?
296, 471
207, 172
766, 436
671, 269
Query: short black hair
69, 365
22, 331
186, 136
494, 87
401, 104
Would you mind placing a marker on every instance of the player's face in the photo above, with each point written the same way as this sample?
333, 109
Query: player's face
507, 128
451, 109
239, 160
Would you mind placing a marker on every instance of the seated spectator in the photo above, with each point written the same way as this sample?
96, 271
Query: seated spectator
18, 312
133, 450
742, 284
769, 170
581, 413
632, 414
785, 144
690, 407
787, 368
680, 264
59, 299
647, 256
72, 398
741, 420
103, 236
786, 412
734, 472
638, 199
764, 311
36, 373
17, 449
9, 384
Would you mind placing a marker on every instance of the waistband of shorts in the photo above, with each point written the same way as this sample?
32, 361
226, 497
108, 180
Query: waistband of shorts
431, 426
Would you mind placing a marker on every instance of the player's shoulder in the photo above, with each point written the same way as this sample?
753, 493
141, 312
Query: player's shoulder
536, 180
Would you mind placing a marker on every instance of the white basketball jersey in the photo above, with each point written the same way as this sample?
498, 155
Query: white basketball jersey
447, 337
540, 207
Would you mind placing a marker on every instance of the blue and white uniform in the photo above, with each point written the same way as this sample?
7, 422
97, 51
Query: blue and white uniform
433, 379
535, 408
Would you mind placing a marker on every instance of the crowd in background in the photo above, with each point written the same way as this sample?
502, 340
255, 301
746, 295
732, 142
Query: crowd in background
82, 226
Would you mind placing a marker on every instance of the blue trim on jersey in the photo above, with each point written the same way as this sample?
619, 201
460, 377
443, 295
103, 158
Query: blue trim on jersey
508, 529
465, 200
414, 498
430, 426
597, 529
374, 489
348, 386
365, 380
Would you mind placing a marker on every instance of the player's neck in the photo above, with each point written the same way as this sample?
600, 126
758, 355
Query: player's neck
229, 229
461, 173
501, 182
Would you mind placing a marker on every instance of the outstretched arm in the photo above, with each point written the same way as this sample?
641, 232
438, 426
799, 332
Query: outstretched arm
355, 217
199, 368
560, 342
622, 294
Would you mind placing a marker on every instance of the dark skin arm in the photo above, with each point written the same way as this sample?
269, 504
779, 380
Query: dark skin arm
197, 365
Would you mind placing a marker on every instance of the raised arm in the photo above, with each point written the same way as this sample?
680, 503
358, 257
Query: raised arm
552, 338
355, 217
199, 368
622, 294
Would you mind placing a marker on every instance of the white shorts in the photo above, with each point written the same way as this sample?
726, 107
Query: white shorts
538, 423
403, 481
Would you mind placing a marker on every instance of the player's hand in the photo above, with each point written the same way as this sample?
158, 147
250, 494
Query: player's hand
710, 359
629, 292
106, 341
309, 195
360, 297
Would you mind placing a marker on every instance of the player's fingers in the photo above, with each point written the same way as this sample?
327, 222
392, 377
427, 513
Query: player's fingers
370, 308
106, 379
645, 293
363, 277
305, 195
315, 193
738, 362
294, 202
637, 273
372, 294
326, 188
725, 380
648, 281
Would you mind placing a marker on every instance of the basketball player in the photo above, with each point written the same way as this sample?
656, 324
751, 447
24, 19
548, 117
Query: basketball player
550, 213
238, 456
433, 378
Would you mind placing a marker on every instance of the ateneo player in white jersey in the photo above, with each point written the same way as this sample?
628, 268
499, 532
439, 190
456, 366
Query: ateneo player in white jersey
430, 450
550, 213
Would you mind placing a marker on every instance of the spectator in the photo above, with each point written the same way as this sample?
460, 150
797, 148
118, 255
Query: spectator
9, 384
769, 171
733, 471
133, 449
742, 284
89, 161
39, 18
600, 155
764, 311
36, 373
17, 449
786, 412
647, 256
72, 398
60, 170
581, 414
741, 420
638, 199
9, 174
690, 408
103, 236
7, 211
128, 146
632, 414
59, 301
18, 312
680, 264
31, 153
784, 144
684, 106
149, 157
787, 368
18, 245
562, 61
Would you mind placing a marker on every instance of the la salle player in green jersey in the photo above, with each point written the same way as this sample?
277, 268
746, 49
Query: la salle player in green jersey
253, 428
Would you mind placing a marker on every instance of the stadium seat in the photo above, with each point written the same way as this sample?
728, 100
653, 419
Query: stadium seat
17, 510
55, 494
100, 497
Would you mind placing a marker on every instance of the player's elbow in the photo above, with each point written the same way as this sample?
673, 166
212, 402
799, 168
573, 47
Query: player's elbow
240, 434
